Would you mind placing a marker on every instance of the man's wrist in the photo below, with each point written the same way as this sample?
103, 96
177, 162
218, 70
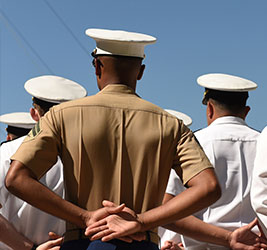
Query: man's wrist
141, 223
85, 217
229, 238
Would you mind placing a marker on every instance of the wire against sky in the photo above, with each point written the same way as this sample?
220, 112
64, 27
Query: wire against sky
18, 37
67, 28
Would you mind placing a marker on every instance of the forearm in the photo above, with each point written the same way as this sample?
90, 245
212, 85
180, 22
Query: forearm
21, 182
199, 195
11, 237
197, 229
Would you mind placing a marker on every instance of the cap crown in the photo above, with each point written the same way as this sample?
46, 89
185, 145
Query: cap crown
225, 82
119, 42
54, 89
185, 118
18, 120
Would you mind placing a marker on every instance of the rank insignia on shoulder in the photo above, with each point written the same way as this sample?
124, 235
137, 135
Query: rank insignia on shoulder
34, 132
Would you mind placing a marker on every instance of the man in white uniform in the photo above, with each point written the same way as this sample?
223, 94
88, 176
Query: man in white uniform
47, 91
230, 146
259, 181
18, 124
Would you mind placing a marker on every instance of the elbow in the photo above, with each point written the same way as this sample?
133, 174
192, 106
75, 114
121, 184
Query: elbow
214, 191
10, 181
13, 178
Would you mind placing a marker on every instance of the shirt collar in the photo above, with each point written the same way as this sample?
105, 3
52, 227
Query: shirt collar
117, 88
229, 120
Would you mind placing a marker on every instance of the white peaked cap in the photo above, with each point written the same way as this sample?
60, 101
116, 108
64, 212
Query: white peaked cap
185, 118
224, 82
118, 42
18, 120
54, 89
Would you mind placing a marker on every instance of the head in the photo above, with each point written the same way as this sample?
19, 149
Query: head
118, 56
39, 109
50, 90
225, 103
118, 70
14, 132
18, 124
225, 95
11, 137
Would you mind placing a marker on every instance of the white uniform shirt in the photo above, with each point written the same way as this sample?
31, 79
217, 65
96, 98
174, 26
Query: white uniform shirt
175, 186
28, 220
230, 146
259, 181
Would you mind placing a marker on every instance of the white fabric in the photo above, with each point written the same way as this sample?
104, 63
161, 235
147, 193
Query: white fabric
259, 181
231, 147
28, 220
175, 186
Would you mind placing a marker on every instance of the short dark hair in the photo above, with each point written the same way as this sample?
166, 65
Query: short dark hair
226, 97
42, 106
232, 101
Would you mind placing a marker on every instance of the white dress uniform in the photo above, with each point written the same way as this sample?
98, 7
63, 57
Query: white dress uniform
259, 181
231, 147
172, 187
28, 220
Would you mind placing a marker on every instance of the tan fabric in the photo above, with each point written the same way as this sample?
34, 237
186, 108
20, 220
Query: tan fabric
113, 145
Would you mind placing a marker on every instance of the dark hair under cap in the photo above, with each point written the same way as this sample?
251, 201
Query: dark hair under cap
226, 97
17, 131
43, 104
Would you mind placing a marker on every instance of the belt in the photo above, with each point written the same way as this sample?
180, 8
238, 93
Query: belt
78, 234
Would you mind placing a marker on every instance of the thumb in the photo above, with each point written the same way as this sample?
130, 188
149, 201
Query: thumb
116, 209
53, 236
252, 224
56, 242
107, 203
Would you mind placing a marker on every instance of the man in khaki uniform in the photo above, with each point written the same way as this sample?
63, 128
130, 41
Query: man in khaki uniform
115, 146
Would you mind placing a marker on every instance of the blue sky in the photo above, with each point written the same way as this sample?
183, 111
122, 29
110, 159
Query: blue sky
195, 37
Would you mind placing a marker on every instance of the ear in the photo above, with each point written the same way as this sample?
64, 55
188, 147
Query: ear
35, 114
141, 72
98, 65
210, 110
8, 137
247, 109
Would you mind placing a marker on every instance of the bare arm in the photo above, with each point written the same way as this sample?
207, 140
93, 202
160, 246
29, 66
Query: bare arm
203, 190
197, 229
242, 238
22, 182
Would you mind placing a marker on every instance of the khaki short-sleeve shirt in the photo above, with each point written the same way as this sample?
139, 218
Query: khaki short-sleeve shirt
113, 145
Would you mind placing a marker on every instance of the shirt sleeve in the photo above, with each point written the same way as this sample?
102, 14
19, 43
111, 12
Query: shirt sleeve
259, 181
174, 186
41, 147
4, 166
190, 157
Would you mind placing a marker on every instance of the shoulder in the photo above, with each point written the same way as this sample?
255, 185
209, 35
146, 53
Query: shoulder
10, 147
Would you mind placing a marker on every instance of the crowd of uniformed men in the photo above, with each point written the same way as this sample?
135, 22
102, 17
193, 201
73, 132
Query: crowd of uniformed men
114, 171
